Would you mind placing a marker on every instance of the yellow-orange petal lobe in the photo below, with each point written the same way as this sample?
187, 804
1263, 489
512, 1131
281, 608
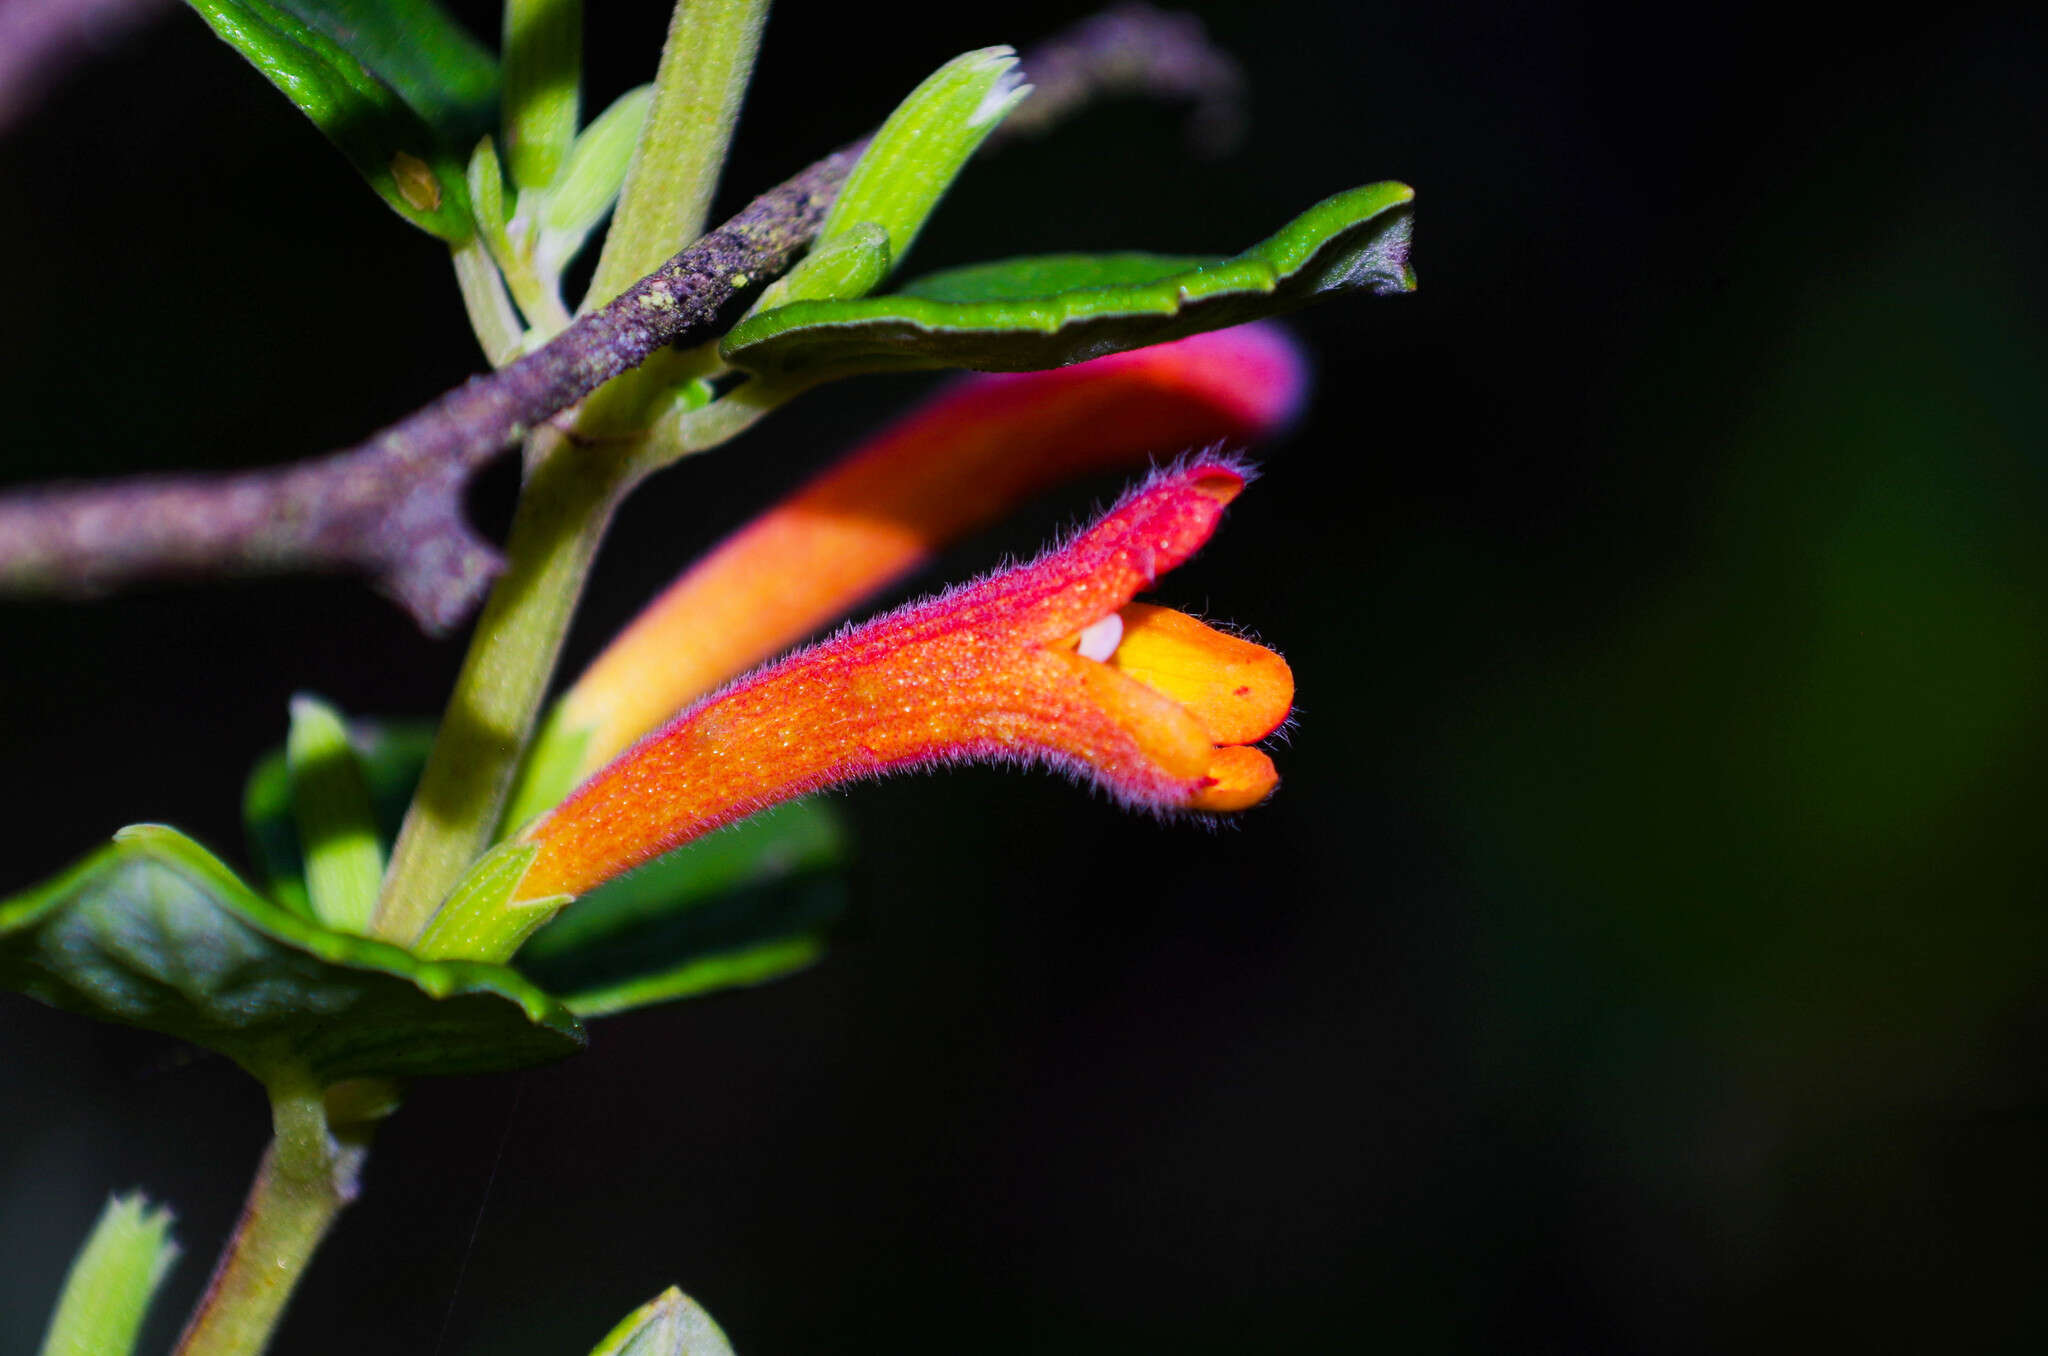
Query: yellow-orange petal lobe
1239, 690
985, 672
955, 463
1237, 779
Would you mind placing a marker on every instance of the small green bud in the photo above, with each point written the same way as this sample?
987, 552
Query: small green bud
849, 264
486, 177
112, 1280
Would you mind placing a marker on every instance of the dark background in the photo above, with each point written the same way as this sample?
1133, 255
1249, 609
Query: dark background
1645, 951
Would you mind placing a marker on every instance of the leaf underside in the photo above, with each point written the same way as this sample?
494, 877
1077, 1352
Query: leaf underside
154, 931
1027, 314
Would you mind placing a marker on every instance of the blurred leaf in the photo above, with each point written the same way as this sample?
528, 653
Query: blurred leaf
154, 931
543, 86
589, 182
390, 755
743, 906
1025, 314
485, 180
670, 1324
914, 157
110, 1285
396, 85
331, 803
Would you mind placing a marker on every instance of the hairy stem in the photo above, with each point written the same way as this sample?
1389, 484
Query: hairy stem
563, 512
308, 1174
705, 64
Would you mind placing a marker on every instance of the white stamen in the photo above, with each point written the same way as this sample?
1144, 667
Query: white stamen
1100, 639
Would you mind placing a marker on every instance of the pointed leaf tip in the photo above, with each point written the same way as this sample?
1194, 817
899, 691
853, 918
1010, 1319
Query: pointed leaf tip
670, 1324
1027, 314
917, 153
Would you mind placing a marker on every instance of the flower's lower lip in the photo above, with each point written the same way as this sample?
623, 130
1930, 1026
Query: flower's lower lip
1238, 778
1239, 691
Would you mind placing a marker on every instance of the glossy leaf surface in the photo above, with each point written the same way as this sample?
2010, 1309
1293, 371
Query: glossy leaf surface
1027, 314
397, 85
739, 907
154, 931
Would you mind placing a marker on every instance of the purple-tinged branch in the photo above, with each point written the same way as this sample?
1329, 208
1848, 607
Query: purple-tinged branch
41, 40
392, 508
1138, 51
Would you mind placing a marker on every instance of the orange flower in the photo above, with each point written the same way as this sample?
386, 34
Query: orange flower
954, 464
1044, 663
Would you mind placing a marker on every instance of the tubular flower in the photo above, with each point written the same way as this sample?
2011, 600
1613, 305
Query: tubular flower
1047, 663
954, 464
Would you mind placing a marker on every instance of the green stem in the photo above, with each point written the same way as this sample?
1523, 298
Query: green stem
726, 418
483, 296
307, 1175
570, 491
705, 64
563, 513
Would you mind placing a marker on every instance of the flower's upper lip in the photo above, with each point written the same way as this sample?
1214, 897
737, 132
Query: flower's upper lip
960, 460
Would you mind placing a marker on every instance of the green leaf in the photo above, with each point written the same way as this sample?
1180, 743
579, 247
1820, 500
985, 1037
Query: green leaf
740, 907
850, 264
337, 832
916, 154
390, 755
153, 931
1022, 315
543, 86
670, 1324
112, 1281
396, 85
590, 180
